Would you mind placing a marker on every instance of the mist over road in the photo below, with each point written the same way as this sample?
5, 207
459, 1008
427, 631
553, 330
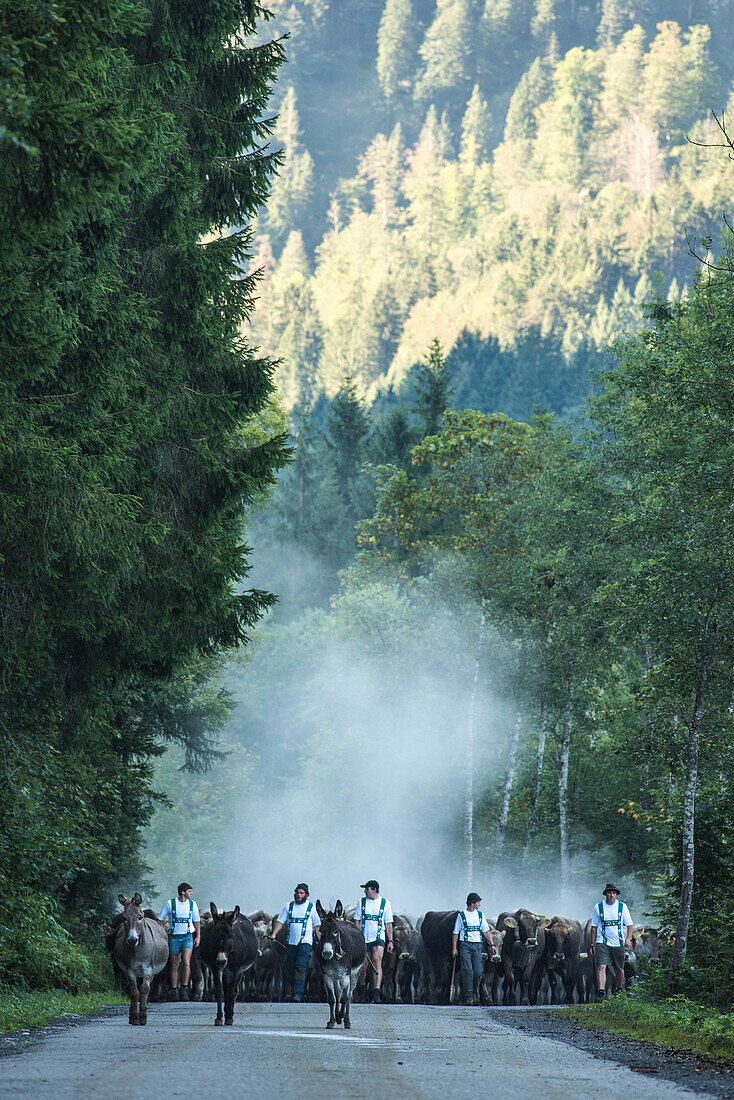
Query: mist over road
275, 1050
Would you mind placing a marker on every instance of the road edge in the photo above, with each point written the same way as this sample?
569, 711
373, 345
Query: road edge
644, 1057
16, 1042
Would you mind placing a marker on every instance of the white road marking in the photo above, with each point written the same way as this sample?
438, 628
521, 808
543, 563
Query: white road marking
332, 1036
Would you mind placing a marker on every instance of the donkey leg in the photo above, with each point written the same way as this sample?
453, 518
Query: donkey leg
219, 993
332, 1003
230, 993
144, 994
132, 984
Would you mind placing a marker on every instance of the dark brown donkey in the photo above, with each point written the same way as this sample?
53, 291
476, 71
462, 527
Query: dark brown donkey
229, 949
141, 951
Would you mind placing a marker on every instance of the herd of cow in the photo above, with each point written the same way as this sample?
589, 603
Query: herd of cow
537, 958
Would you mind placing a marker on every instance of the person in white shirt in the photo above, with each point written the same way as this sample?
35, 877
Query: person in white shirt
611, 936
303, 923
184, 934
373, 916
470, 927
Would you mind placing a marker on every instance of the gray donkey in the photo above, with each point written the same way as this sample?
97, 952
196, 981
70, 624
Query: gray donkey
141, 951
339, 955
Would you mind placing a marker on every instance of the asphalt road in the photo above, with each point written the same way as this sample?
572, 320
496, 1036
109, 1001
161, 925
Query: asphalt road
395, 1052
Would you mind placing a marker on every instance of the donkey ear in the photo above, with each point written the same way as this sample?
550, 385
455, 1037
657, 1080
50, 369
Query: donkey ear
338, 910
137, 899
320, 909
213, 909
235, 915
123, 901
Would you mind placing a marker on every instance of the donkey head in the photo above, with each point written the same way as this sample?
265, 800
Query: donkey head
133, 918
330, 944
221, 935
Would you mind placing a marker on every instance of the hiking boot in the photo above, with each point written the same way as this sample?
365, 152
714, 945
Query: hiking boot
601, 995
298, 998
376, 998
173, 994
184, 994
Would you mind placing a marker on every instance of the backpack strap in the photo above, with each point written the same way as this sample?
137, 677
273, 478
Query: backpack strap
306, 919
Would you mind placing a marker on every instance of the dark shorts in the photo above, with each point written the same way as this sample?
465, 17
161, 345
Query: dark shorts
374, 943
609, 956
178, 943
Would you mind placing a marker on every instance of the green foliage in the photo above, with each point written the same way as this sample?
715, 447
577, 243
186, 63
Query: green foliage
37, 952
543, 222
134, 431
21, 1009
676, 1022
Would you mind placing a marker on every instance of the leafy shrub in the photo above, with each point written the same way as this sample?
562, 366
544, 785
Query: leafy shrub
38, 953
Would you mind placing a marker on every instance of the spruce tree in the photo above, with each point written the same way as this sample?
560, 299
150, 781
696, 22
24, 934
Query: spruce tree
348, 427
433, 388
127, 387
397, 45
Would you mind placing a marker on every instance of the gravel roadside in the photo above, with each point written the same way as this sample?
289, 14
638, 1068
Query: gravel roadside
15, 1042
650, 1059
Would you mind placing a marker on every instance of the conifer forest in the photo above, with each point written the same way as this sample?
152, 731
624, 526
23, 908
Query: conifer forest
366, 451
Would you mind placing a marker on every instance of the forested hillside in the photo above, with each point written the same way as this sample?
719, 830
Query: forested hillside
501, 633
489, 175
502, 550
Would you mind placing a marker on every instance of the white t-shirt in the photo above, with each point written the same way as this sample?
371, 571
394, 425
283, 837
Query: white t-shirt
374, 928
475, 926
611, 912
295, 929
183, 923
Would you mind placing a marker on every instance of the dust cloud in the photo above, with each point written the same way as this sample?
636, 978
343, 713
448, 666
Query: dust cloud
358, 721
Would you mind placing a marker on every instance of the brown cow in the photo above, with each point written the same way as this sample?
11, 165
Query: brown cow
523, 946
564, 939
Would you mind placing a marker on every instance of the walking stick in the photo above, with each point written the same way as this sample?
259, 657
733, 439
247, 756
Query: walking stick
451, 988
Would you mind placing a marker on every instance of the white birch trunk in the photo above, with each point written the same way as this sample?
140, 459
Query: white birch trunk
565, 749
533, 821
469, 785
509, 780
680, 944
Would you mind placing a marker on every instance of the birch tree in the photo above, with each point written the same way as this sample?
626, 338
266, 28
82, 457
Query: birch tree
668, 415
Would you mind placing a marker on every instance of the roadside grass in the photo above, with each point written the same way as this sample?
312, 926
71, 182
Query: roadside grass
20, 1008
675, 1022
